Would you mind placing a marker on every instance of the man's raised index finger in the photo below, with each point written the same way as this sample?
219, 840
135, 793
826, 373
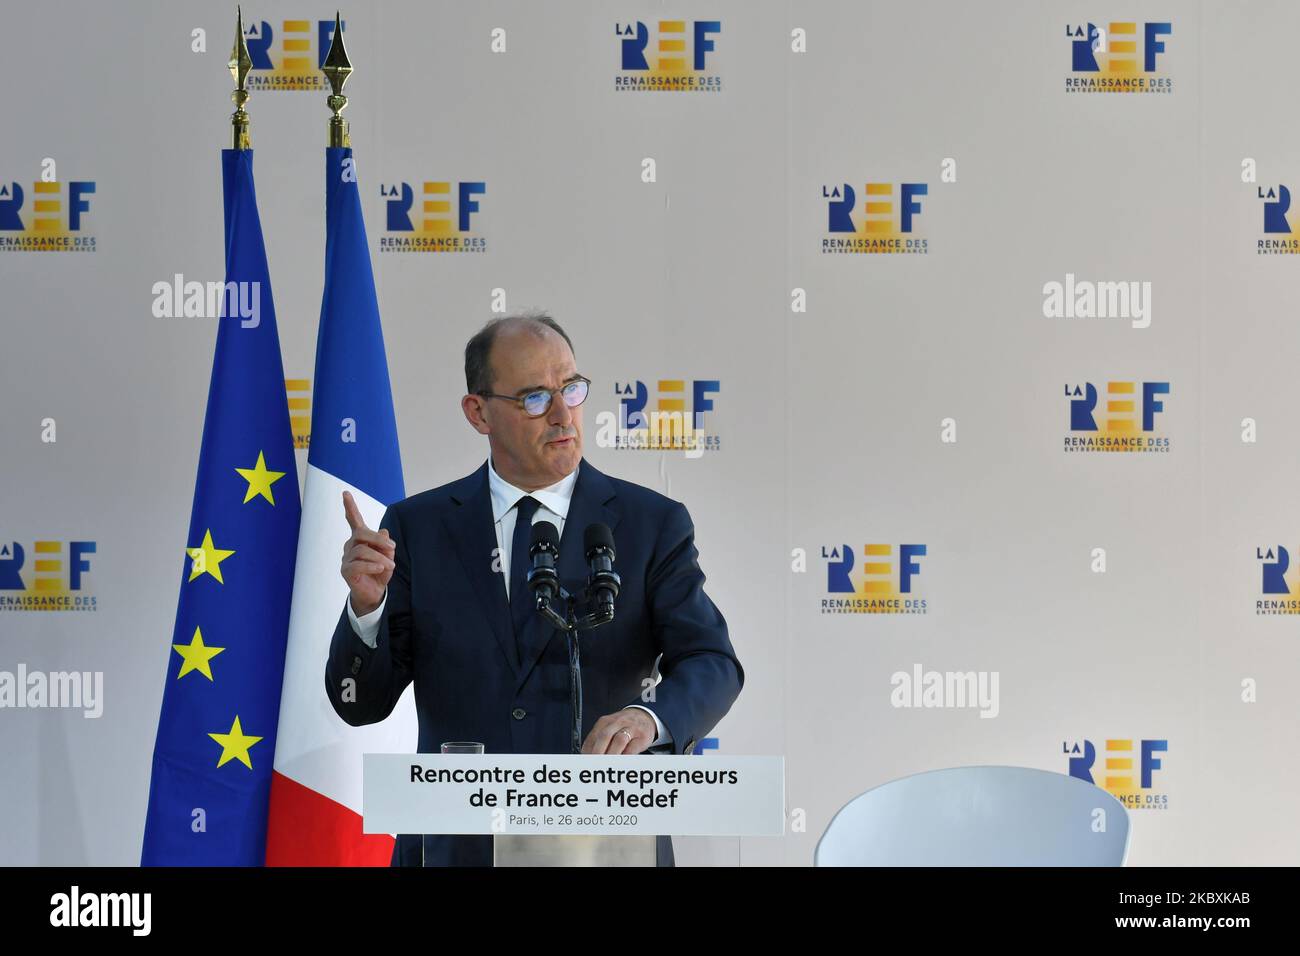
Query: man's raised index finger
353, 513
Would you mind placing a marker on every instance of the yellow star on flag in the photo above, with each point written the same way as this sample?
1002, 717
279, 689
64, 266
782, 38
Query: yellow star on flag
196, 656
207, 558
259, 480
234, 745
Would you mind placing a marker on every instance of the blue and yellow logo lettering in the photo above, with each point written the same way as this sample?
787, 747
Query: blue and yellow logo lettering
54, 579
1279, 581
1278, 238
679, 420
1127, 422
443, 219
55, 220
298, 393
290, 59
674, 58
1112, 59
1135, 792
879, 584
884, 222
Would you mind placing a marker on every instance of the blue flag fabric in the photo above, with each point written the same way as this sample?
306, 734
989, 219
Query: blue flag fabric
351, 365
215, 747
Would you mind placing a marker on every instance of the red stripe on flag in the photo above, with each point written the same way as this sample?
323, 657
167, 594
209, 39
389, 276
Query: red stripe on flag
308, 829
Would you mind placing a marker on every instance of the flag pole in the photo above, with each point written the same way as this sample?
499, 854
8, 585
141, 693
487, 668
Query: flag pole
317, 814
337, 69
240, 63
214, 748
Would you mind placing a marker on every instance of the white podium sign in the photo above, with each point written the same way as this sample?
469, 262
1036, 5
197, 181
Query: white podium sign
573, 794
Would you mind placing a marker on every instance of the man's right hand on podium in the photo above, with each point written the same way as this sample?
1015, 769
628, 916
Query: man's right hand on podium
367, 561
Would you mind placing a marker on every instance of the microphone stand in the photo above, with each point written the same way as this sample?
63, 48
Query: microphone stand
571, 624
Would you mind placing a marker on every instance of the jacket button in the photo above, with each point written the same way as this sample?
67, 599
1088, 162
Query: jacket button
356, 665
518, 713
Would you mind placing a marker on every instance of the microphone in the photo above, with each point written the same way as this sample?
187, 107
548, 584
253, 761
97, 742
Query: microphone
603, 580
544, 551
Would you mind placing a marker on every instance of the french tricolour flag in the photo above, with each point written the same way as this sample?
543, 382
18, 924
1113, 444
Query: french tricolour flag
315, 815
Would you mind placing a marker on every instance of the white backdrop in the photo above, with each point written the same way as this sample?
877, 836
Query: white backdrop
860, 399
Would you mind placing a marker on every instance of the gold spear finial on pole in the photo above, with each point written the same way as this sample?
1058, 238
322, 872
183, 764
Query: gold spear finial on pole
337, 69
240, 63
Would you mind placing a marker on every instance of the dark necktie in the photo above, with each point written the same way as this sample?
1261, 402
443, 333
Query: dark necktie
521, 597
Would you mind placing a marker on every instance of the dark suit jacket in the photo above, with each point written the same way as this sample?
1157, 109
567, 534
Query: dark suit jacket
446, 626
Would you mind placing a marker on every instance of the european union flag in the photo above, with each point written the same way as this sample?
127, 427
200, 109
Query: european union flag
216, 734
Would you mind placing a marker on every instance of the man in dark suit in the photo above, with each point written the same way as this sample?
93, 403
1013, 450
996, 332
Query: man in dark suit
437, 596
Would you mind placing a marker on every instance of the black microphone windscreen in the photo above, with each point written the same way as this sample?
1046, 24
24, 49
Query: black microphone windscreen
544, 532
597, 536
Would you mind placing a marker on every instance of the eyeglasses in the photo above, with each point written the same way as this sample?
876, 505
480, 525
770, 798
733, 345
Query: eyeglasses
538, 402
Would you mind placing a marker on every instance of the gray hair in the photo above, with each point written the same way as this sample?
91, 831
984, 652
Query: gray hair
478, 350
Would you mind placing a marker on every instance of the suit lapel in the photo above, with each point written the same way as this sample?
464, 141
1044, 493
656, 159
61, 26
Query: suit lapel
472, 530
591, 493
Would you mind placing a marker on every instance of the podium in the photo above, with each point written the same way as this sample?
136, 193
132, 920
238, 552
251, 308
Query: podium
516, 849
573, 809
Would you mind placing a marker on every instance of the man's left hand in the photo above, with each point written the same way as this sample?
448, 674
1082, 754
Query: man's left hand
629, 731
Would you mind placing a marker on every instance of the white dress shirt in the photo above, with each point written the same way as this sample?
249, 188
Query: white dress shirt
553, 506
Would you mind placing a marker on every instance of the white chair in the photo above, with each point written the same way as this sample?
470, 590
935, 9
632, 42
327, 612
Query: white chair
978, 816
